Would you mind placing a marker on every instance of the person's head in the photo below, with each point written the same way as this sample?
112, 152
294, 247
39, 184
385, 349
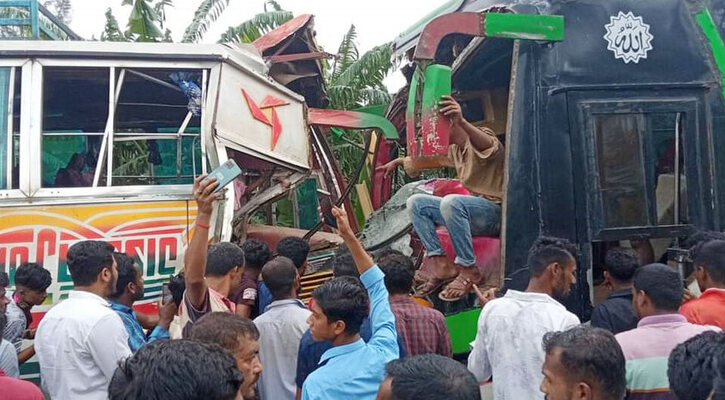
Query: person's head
256, 254
341, 304
619, 265
177, 286
177, 369
344, 265
428, 377
31, 283
91, 266
691, 367
280, 276
657, 289
225, 261
709, 264
552, 261
129, 285
399, 273
583, 363
297, 250
4, 283
239, 336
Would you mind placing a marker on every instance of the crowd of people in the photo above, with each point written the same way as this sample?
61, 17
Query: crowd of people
234, 327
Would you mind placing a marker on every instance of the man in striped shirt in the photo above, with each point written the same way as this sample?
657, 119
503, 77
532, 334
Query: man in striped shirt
658, 293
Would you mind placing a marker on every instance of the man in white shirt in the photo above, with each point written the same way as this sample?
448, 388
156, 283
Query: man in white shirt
510, 329
81, 341
280, 329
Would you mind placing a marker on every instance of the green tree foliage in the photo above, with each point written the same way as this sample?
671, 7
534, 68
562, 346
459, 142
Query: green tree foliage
111, 31
250, 30
205, 15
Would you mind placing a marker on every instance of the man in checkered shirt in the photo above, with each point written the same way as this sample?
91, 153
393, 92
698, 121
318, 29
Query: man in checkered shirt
423, 329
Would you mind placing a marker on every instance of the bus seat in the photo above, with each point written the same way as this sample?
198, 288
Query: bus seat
487, 250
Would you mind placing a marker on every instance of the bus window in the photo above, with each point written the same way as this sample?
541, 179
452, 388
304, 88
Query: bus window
638, 173
75, 110
10, 81
157, 127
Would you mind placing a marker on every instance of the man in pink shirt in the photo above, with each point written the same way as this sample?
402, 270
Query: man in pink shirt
18, 389
708, 309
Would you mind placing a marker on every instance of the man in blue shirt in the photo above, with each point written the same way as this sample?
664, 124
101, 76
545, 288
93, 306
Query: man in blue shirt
129, 288
310, 351
351, 369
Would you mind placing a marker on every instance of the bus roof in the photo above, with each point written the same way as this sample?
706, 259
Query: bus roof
244, 55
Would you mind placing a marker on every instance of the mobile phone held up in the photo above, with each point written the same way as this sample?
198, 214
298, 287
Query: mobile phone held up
166, 296
225, 174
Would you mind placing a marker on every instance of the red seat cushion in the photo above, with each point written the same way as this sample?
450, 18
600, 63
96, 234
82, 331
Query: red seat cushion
487, 250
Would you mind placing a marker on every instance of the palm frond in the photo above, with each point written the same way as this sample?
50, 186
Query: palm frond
375, 96
368, 70
142, 22
274, 6
111, 31
207, 12
160, 9
347, 54
250, 30
61, 9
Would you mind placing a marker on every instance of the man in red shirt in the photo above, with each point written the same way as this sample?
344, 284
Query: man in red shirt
708, 309
423, 329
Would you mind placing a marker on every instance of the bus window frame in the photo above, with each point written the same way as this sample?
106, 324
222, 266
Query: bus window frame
24, 65
35, 134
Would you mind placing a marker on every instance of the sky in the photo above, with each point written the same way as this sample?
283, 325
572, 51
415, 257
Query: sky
376, 21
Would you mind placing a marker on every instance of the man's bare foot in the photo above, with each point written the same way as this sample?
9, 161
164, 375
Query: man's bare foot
442, 267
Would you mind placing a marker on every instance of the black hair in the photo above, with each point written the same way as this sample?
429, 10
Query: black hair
699, 237
294, 248
4, 279
431, 377
222, 258
224, 329
87, 259
711, 256
591, 355
399, 273
547, 250
177, 286
691, 365
279, 275
388, 251
344, 265
3, 321
661, 284
127, 273
343, 299
33, 277
621, 263
256, 254
177, 369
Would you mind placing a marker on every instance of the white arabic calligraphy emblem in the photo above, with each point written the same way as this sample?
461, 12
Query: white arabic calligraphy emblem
628, 37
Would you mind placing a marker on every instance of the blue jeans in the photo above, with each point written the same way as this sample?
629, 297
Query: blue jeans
463, 216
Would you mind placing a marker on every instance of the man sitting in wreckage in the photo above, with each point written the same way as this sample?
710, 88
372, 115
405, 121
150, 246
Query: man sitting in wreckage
478, 157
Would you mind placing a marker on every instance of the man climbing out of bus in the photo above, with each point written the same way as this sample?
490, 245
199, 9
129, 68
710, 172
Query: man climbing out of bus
478, 157
31, 285
210, 275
